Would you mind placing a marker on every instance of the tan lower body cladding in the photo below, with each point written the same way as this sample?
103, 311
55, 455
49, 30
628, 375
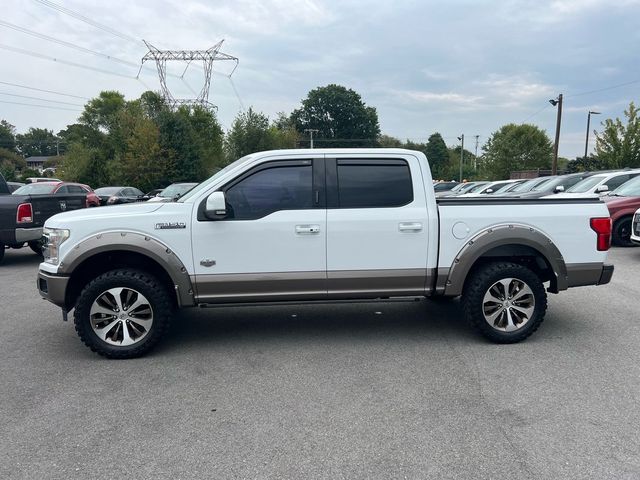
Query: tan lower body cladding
292, 286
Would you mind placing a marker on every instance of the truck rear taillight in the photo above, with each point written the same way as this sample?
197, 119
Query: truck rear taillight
24, 213
602, 227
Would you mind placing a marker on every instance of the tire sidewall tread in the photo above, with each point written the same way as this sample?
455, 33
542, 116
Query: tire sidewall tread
478, 284
149, 286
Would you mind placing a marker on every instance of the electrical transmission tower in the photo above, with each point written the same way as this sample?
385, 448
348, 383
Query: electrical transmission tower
161, 57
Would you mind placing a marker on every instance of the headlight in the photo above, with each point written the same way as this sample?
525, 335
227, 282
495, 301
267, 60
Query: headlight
53, 238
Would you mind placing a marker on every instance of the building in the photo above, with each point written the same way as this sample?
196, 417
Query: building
37, 163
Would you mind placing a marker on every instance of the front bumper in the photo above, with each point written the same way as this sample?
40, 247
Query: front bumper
53, 288
28, 234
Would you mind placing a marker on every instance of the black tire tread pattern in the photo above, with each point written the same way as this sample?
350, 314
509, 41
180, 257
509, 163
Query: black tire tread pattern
616, 239
477, 286
154, 291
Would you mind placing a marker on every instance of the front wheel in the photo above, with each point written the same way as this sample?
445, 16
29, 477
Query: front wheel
123, 313
504, 301
36, 247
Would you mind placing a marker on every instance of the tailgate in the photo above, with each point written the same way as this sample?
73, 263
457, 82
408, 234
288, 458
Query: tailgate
45, 206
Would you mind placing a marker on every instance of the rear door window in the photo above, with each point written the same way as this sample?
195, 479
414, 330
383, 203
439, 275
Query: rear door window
373, 183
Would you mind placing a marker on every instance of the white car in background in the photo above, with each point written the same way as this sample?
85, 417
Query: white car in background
598, 184
490, 188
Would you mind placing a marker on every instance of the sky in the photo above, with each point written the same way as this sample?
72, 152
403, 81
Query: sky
454, 67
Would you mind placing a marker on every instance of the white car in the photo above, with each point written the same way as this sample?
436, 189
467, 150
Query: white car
490, 188
598, 184
635, 228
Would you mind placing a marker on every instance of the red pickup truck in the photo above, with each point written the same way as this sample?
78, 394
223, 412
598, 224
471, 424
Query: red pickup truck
623, 203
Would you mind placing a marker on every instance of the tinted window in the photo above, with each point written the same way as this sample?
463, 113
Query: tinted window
62, 190
75, 189
35, 189
615, 182
270, 190
374, 184
129, 192
107, 191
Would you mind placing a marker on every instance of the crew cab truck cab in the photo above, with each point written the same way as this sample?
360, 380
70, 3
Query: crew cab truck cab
318, 225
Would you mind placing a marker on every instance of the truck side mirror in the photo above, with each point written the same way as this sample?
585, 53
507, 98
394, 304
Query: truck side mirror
559, 189
216, 207
602, 188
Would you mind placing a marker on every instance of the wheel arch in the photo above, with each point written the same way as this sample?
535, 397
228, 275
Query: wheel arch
520, 244
107, 251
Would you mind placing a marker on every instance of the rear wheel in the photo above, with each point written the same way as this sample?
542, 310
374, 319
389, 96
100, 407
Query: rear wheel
123, 313
504, 301
621, 232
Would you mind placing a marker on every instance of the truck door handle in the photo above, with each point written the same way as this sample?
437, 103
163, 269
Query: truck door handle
307, 229
410, 227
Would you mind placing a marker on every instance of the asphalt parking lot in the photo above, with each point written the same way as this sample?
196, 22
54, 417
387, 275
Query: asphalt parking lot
384, 390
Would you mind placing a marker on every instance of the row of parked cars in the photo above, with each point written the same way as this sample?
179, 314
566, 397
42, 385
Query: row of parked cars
619, 189
100, 196
25, 207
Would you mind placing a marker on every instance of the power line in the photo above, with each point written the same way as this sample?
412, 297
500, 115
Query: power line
41, 106
604, 89
87, 20
536, 113
66, 62
40, 98
43, 90
65, 43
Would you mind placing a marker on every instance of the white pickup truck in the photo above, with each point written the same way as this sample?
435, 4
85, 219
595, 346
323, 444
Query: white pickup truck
318, 225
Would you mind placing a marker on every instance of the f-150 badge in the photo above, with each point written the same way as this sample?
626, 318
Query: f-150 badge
170, 225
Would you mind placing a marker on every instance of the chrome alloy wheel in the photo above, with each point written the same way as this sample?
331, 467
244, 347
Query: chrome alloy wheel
121, 316
508, 304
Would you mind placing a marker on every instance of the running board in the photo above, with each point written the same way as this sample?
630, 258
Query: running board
314, 302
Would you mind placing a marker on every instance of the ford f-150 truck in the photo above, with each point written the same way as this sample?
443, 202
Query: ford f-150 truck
318, 225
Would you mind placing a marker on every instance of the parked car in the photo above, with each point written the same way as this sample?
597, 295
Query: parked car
488, 188
555, 184
22, 216
599, 184
60, 188
509, 187
622, 204
153, 192
318, 225
42, 179
118, 195
444, 186
526, 186
173, 192
13, 186
461, 189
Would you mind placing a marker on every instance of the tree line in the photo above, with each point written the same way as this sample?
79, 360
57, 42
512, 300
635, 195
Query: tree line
143, 142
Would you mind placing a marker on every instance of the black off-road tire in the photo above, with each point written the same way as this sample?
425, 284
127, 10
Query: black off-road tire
36, 247
621, 232
479, 283
157, 294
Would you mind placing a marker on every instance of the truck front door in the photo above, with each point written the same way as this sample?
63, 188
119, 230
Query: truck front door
271, 246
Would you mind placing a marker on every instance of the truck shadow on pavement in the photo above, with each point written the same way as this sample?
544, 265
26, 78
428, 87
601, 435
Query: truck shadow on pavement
206, 328
19, 257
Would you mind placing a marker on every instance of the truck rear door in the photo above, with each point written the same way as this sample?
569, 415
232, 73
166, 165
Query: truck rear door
377, 228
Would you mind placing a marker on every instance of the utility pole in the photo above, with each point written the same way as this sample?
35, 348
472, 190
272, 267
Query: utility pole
475, 160
556, 102
311, 132
461, 138
586, 142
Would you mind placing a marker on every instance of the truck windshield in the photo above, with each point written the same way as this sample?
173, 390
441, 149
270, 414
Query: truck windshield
35, 189
198, 188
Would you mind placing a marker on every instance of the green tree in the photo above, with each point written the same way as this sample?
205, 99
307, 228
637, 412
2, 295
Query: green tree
618, 145
437, 154
7, 136
249, 133
516, 147
11, 164
340, 116
37, 142
387, 141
